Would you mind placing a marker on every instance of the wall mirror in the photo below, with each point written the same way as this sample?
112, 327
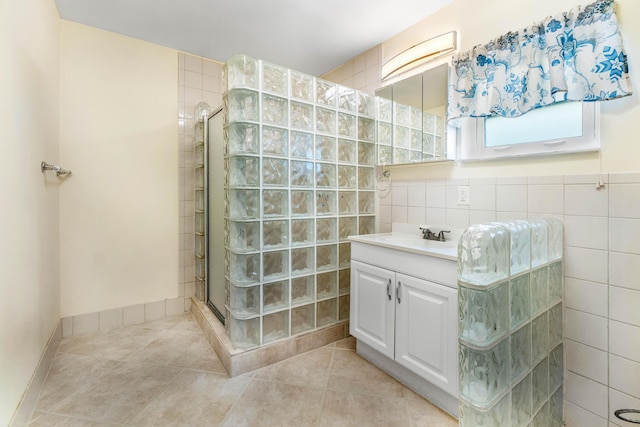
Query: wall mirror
411, 119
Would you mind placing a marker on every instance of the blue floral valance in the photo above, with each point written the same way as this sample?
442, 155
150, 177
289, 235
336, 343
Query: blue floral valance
575, 56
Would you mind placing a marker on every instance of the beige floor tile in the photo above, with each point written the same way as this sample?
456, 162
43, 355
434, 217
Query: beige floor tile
116, 344
172, 349
351, 373
52, 420
265, 403
424, 413
193, 399
310, 369
120, 395
347, 343
343, 409
68, 374
208, 361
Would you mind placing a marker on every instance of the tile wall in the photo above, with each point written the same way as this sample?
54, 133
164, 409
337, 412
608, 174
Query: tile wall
198, 80
602, 269
361, 73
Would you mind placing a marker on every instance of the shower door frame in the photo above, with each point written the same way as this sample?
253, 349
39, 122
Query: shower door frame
208, 261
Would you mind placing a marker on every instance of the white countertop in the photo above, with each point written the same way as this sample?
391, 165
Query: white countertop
404, 238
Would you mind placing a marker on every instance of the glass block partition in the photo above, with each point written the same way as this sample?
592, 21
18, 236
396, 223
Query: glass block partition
510, 324
299, 168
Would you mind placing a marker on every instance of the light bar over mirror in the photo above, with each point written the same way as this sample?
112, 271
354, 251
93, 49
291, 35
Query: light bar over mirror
419, 54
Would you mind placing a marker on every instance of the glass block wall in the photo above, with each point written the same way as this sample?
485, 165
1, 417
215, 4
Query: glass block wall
299, 168
510, 324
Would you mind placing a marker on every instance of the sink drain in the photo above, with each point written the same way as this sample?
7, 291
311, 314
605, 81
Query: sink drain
628, 415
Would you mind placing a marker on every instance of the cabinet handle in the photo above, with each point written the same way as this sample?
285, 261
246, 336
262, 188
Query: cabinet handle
398, 291
389, 289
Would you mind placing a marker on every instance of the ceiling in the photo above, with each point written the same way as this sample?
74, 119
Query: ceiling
312, 36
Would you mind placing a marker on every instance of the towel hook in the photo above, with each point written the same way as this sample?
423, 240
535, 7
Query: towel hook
44, 166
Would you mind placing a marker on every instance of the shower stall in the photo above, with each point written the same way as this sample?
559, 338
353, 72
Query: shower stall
287, 174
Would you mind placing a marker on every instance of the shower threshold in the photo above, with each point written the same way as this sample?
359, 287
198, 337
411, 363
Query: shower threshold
238, 362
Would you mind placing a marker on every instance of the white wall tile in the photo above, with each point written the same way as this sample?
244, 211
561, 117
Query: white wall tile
133, 314
586, 296
586, 200
575, 416
512, 180
399, 195
586, 231
509, 216
624, 375
624, 304
436, 216
384, 213
416, 215
458, 218
174, 306
586, 179
586, 328
482, 197
155, 310
624, 270
436, 196
110, 319
586, 361
587, 394
511, 198
586, 264
193, 79
86, 324
624, 177
384, 227
67, 326
454, 182
399, 214
193, 63
545, 199
545, 180
416, 195
624, 235
211, 68
624, 340
481, 217
623, 200
618, 400
384, 197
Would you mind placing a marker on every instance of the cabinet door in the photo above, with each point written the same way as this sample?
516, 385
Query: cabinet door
372, 306
427, 331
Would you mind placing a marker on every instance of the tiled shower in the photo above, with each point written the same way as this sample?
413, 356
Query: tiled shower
299, 179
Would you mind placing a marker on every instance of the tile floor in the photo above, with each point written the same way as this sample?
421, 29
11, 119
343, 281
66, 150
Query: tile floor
163, 373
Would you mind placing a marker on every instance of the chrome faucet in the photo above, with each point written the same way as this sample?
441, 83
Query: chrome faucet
430, 235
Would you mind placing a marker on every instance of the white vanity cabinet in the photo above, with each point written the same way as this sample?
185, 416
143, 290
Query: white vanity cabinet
404, 305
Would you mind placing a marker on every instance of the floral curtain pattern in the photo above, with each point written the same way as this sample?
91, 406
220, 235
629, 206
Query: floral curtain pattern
574, 56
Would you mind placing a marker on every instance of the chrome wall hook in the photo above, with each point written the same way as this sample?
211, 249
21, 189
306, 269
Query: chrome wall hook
44, 166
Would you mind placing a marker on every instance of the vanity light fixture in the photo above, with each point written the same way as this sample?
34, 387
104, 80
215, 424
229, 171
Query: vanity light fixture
420, 54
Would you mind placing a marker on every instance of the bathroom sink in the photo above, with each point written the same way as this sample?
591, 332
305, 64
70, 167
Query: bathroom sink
406, 242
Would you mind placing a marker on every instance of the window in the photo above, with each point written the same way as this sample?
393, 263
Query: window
567, 127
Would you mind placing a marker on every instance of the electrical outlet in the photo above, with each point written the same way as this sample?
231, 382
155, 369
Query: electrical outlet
463, 194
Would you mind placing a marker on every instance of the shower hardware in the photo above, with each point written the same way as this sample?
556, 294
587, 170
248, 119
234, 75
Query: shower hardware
44, 166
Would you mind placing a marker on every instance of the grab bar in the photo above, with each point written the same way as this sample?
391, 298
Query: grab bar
44, 166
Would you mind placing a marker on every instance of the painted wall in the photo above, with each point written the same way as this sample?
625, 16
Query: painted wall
118, 131
479, 22
29, 233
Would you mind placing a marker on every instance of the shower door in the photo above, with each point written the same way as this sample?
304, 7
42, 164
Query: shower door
214, 160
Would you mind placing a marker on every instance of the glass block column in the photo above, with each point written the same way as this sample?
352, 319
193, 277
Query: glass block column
510, 324
299, 167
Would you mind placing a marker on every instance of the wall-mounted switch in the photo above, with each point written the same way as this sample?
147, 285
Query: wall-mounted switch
463, 194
